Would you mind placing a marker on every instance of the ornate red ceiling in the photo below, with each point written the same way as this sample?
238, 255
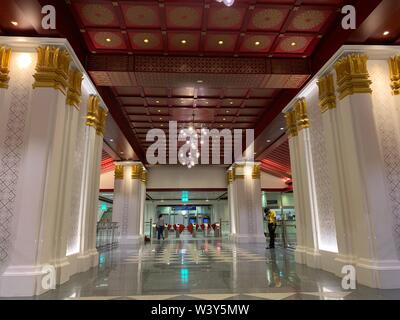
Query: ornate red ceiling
276, 28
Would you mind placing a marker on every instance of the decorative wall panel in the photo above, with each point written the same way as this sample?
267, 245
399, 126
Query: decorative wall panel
326, 216
387, 117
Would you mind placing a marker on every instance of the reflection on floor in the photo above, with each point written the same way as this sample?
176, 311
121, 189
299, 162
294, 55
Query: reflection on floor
206, 269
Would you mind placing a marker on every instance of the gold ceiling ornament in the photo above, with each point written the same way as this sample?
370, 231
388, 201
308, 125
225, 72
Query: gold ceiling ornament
137, 171
119, 172
93, 108
101, 121
52, 69
291, 124
5, 58
74, 88
302, 120
256, 174
143, 175
394, 66
327, 96
352, 75
229, 176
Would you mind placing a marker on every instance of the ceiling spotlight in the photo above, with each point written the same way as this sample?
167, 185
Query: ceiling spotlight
220, 42
282, 129
158, 110
160, 118
146, 40
183, 41
231, 102
293, 44
257, 43
386, 33
157, 101
162, 125
108, 40
111, 140
268, 141
121, 152
223, 119
199, 81
227, 111
14, 23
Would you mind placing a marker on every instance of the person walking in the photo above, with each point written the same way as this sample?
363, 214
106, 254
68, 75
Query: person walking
271, 219
160, 227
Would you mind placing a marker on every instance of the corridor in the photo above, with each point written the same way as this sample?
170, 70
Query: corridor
206, 269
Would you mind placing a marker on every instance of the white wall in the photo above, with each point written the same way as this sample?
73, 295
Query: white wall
271, 182
179, 177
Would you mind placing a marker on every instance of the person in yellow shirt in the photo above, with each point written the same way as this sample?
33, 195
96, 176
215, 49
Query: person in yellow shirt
271, 219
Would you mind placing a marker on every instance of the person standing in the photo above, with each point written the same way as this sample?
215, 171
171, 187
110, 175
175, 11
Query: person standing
271, 219
160, 226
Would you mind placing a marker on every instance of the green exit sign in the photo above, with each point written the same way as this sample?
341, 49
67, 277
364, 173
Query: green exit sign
185, 196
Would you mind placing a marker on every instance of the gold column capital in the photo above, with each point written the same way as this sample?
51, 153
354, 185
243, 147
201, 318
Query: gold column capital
229, 176
137, 171
394, 66
101, 121
327, 96
92, 111
119, 172
291, 123
143, 175
302, 119
352, 75
5, 58
256, 174
52, 68
74, 88
236, 168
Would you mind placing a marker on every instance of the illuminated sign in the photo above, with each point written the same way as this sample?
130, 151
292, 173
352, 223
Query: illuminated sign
185, 196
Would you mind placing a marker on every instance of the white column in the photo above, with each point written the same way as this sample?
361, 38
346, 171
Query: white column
247, 201
372, 235
129, 199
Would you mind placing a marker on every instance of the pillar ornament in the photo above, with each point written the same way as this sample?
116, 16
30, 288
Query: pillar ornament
5, 57
93, 111
291, 124
52, 69
119, 172
101, 121
136, 171
394, 66
74, 88
302, 120
229, 176
327, 97
256, 174
352, 75
143, 175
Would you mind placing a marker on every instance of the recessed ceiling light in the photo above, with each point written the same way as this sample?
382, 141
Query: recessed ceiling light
157, 101
257, 43
386, 33
231, 102
121, 152
160, 118
282, 128
293, 44
146, 40
183, 41
162, 125
108, 40
14, 23
223, 119
227, 111
268, 141
220, 42
221, 125
111, 140
159, 110
199, 81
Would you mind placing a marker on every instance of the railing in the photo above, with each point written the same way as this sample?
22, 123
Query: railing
107, 235
285, 233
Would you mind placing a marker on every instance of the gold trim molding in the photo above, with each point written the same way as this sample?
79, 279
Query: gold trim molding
5, 58
229, 176
291, 124
143, 175
74, 88
394, 66
327, 96
256, 174
302, 120
136, 171
235, 168
52, 69
352, 75
119, 172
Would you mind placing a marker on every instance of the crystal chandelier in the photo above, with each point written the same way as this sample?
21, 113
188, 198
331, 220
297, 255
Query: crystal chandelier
227, 2
189, 153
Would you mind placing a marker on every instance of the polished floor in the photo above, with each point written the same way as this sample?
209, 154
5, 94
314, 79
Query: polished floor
207, 269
